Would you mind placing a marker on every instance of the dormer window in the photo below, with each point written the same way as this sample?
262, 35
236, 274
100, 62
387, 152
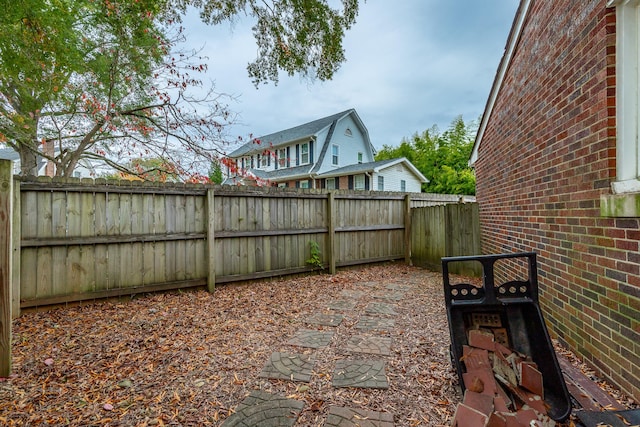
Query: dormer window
282, 157
304, 153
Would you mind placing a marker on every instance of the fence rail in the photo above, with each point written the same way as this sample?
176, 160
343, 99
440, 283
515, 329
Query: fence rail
66, 240
88, 239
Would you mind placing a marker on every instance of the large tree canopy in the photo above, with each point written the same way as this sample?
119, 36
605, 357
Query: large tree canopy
441, 157
105, 80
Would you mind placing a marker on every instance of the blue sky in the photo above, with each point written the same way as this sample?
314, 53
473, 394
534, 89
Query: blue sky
411, 64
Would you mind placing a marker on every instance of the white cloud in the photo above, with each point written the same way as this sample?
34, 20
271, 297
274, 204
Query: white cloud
410, 64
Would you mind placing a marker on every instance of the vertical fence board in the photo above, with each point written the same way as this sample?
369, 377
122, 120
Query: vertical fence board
29, 256
87, 263
160, 249
44, 254
147, 225
211, 243
100, 251
6, 248
16, 261
137, 248
75, 277
180, 245
113, 251
59, 279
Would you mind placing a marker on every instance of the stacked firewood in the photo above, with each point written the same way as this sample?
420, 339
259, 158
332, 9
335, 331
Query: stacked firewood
503, 387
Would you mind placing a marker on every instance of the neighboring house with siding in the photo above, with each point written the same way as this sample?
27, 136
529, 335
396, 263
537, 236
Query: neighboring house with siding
333, 152
84, 169
557, 167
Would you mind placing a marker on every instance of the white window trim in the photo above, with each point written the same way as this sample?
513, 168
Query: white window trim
627, 96
380, 182
327, 181
282, 158
355, 182
335, 156
303, 154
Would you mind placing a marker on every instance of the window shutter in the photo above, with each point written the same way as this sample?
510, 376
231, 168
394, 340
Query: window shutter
288, 156
350, 187
311, 151
366, 182
297, 154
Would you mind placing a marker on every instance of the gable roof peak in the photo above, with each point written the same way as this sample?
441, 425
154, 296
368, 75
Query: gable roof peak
305, 130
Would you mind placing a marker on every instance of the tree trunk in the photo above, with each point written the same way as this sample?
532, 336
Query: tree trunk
28, 162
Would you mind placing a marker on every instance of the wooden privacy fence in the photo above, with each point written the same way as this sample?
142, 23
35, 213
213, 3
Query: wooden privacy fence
66, 240
446, 230
86, 239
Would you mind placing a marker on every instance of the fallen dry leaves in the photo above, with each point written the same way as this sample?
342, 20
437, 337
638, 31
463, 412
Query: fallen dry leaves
189, 358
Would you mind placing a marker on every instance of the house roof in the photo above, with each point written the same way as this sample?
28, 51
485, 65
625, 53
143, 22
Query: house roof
512, 42
375, 167
9, 154
301, 132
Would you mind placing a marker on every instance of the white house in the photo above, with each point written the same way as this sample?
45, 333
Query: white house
84, 169
333, 152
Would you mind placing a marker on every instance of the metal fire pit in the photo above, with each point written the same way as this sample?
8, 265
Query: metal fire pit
513, 307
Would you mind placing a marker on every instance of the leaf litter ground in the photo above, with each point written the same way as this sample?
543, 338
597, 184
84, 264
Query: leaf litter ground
189, 358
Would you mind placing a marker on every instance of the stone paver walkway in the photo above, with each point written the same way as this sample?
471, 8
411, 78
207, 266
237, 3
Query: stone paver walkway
362, 364
325, 319
344, 417
265, 410
360, 373
286, 366
311, 338
369, 345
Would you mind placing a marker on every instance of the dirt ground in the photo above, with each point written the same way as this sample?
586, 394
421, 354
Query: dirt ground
189, 358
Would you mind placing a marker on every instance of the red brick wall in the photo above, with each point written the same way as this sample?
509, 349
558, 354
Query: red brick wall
547, 154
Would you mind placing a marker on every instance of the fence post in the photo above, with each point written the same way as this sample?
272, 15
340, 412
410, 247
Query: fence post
6, 243
15, 251
211, 242
407, 229
332, 233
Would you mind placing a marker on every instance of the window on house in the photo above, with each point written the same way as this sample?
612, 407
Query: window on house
304, 153
330, 183
359, 157
627, 96
380, 183
358, 182
335, 155
265, 160
304, 183
403, 185
282, 157
348, 132
282, 184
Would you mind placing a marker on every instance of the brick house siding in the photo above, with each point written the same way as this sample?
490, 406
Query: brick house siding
546, 156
